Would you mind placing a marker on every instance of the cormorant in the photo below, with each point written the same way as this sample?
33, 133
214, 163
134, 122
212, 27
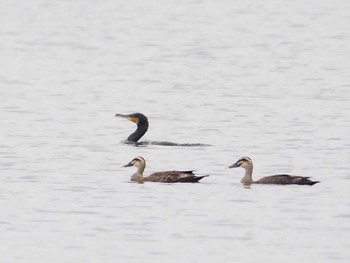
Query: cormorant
142, 127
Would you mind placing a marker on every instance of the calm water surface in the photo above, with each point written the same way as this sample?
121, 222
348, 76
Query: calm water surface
269, 80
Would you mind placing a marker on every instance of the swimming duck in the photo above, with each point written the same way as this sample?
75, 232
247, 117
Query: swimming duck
142, 127
281, 179
163, 177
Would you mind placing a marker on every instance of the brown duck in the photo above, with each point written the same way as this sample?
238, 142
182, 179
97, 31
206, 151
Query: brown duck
162, 177
281, 179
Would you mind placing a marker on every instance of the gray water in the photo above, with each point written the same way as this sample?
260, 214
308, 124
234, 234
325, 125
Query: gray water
264, 79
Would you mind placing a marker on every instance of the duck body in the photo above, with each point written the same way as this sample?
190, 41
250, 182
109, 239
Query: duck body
162, 177
172, 177
285, 179
280, 179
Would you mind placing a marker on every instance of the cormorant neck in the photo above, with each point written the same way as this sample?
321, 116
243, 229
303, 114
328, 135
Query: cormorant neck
140, 131
247, 179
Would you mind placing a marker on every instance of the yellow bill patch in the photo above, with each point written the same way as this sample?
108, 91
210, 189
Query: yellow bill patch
133, 119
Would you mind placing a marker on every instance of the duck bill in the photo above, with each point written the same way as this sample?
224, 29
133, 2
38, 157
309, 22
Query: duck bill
235, 165
128, 165
126, 116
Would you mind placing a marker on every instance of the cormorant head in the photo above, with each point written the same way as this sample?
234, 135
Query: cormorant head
243, 162
137, 118
137, 162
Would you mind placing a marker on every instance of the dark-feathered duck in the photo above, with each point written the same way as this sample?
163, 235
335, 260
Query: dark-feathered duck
163, 177
282, 179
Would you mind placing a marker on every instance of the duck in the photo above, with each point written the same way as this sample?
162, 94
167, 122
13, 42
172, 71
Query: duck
280, 179
162, 177
142, 126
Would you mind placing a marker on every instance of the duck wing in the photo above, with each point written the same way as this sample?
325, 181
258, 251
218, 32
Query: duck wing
174, 177
303, 180
284, 179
